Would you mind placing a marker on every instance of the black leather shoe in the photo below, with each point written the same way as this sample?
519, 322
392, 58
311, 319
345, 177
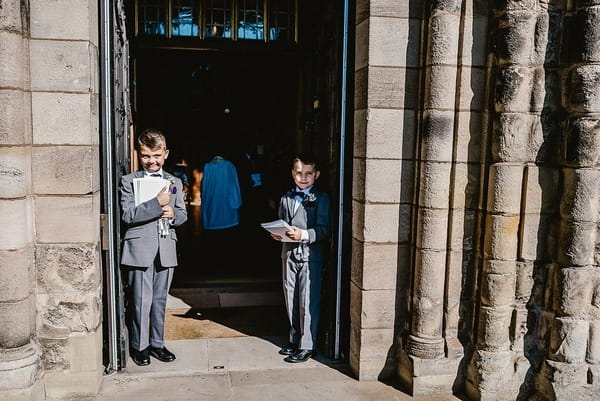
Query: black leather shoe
141, 358
302, 355
289, 349
162, 354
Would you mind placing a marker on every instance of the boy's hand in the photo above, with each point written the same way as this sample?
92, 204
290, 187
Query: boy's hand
163, 197
168, 212
295, 233
276, 237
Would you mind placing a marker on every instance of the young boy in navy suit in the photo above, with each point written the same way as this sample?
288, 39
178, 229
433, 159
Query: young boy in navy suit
307, 211
149, 248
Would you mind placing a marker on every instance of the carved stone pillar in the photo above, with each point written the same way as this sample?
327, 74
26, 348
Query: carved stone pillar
518, 208
571, 370
424, 366
19, 357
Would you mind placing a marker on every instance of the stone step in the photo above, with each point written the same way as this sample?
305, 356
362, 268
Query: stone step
226, 296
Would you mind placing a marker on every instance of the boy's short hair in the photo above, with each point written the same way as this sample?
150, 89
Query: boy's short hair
152, 139
306, 158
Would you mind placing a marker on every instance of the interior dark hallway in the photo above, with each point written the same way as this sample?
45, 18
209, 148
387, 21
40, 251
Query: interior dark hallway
238, 106
254, 102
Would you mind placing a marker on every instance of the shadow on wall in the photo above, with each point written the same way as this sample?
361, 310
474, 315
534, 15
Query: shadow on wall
409, 181
479, 132
537, 263
475, 172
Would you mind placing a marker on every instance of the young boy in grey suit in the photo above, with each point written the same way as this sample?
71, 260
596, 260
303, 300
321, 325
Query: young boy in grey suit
149, 248
307, 211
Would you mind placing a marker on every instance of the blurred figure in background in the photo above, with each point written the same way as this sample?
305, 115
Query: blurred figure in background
221, 201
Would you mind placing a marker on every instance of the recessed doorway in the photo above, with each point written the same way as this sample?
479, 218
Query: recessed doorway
238, 105
255, 82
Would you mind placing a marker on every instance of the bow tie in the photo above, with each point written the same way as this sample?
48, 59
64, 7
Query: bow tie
298, 193
155, 175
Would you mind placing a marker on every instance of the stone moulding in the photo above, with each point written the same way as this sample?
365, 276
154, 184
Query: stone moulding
19, 367
425, 348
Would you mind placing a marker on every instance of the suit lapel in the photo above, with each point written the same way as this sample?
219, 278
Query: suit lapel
291, 202
290, 206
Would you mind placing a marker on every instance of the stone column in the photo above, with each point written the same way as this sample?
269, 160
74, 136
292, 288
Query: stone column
19, 357
423, 370
571, 370
468, 166
65, 118
387, 60
518, 198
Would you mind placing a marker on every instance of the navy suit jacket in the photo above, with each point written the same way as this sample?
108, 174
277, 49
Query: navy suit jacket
312, 215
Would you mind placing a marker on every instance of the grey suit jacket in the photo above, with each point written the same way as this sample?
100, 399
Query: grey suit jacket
313, 216
141, 241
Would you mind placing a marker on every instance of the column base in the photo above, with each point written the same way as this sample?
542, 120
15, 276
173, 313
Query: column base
568, 381
495, 375
425, 348
429, 376
20, 371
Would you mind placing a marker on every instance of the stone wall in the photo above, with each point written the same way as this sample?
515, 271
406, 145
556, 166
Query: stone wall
476, 192
20, 366
570, 365
385, 116
50, 280
65, 178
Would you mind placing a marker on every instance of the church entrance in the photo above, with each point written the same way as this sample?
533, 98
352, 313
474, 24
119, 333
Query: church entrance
254, 82
242, 107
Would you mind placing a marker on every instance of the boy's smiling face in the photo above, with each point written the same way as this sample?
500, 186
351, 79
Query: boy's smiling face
304, 175
152, 159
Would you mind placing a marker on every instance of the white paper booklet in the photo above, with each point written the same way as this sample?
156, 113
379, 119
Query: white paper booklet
278, 227
147, 188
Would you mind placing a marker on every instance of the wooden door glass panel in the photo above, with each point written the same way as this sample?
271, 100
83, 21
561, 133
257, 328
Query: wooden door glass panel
218, 19
152, 17
251, 20
281, 14
209, 19
184, 21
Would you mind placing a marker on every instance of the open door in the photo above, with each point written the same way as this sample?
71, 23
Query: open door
115, 125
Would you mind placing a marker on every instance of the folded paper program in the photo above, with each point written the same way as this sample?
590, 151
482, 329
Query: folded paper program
147, 188
279, 227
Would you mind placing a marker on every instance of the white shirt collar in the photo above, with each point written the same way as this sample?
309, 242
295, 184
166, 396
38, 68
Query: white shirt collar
305, 190
149, 173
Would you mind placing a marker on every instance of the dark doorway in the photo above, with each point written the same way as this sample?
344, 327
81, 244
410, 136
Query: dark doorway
213, 88
242, 106
255, 101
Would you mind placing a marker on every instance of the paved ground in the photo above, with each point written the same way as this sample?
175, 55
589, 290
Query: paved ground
243, 369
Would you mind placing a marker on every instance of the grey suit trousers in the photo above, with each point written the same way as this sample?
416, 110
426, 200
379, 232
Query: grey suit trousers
150, 288
302, 291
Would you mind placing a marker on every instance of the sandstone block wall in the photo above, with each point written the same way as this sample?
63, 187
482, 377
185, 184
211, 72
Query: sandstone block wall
50, 280
65, 183
20, 366
495, 255
385, 119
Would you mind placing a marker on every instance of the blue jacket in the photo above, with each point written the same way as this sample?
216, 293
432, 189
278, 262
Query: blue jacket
221, 196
